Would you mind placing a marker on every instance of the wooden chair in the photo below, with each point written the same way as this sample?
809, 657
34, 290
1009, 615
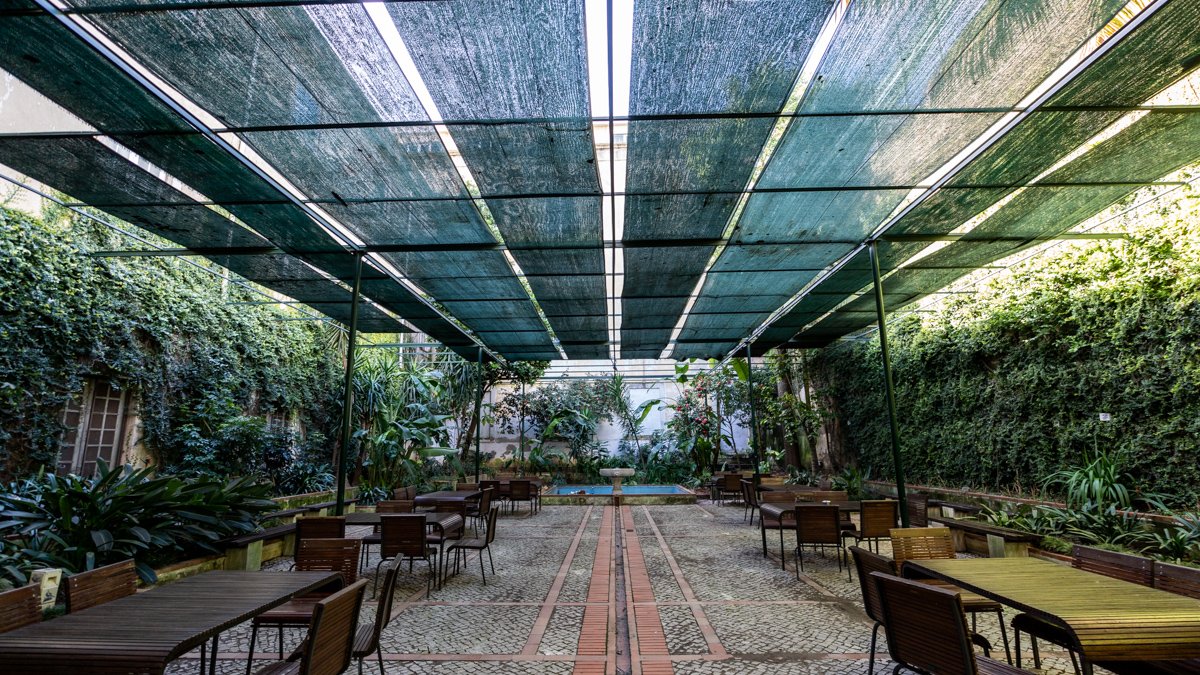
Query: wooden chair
403, 538
442, 538
477, 511
408, 492
935, 543
386, 506
328, 648
498, 494
20, 607
918, 510
101, 585
521, 491
927, 630
819, 525
786, 522
750, 498
731, 485
319, 527
324, 555
823, 495
477, 544
867, 562
366, 638
877, 520
1132, 568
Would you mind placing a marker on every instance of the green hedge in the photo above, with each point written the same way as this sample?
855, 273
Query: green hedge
198, 363
1002, 388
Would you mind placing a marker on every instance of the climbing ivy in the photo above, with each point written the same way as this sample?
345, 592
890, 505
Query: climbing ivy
1003, 388
204, 366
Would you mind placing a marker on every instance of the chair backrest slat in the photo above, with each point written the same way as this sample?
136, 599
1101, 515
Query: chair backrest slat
395, 506
866, 562
777, 497
733, 482
519, 489
330, 642
101, 585
491, 523
402, 535
320, 527
921, 543
818, 524
1123, 566
918, 509
749, 494
20, 607
408, 492
925, 626
823, 495
330, 555
1177, 579
878, 517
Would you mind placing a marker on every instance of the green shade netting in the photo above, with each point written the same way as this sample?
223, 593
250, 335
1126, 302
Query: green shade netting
893, 55
693, 56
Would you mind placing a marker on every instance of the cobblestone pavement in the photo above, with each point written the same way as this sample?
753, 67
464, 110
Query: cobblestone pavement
698, 595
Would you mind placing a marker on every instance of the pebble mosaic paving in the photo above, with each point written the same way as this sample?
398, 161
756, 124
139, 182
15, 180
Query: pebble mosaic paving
699, 598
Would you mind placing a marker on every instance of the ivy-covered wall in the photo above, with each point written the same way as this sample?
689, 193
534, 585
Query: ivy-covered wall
1002, 388
204, 366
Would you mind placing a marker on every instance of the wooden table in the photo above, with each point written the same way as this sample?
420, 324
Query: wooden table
432, 498
444, 521
1109, 619
144, 632
777, 510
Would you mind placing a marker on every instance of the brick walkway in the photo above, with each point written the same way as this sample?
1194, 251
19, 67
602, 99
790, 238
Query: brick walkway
694, 596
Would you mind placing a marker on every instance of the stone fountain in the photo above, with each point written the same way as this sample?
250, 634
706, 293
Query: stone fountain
616, 475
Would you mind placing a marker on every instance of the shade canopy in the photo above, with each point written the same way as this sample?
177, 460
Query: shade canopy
509, 192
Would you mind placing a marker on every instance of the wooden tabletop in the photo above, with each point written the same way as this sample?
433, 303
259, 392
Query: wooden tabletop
430, 498
142, 633
778, 509
441, 520
1110, 619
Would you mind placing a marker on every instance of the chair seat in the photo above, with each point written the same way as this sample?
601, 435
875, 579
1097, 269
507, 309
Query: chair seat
363, 637
987, 666
373, 538
293, 612
473, 544
281, 668
1042, 630
775, 523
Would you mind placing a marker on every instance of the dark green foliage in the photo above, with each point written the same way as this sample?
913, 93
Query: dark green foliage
203, 369
1002, 389
82, 523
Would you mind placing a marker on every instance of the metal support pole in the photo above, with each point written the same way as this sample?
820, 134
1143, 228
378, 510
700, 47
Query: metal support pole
521, 447
889, 388
478, 413
753, 415
348, 391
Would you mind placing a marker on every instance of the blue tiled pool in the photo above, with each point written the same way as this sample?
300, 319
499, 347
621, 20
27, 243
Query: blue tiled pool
627, 489
630, 494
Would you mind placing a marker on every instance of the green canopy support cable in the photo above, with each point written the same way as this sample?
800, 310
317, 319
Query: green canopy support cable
478, 413
753, 415
348, 391
888, 386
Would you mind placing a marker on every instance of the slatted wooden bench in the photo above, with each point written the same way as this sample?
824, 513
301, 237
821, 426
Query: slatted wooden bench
246, 552
953, 509
1002, 542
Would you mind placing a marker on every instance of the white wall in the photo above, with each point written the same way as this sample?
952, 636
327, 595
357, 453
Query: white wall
667, 391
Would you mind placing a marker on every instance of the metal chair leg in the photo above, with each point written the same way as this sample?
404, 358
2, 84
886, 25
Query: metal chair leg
250, 656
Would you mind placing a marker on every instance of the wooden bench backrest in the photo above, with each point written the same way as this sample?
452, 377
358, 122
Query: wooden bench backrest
1131, 568
1177, 579
101, 585
20, 607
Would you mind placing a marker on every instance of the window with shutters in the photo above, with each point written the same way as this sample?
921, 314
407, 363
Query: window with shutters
95, 428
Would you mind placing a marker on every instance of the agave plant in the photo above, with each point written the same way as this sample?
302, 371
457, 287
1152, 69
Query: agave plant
1100, 481
123, 513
